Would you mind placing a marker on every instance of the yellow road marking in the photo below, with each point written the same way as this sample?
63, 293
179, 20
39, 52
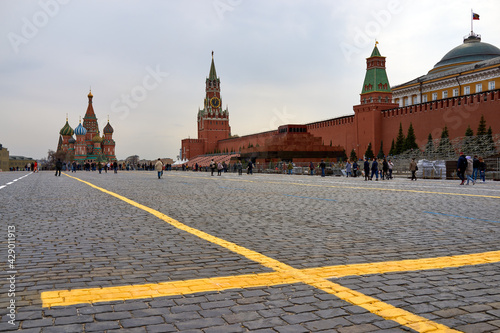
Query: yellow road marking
359, 188
373, 305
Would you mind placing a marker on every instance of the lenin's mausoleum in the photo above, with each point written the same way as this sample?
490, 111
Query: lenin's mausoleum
455, 93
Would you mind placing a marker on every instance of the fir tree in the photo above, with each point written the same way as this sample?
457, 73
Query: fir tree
411, 139
381, 151
468, 143
353, 156
481, 140
429, 146
392, 151
490, 143
400, 141
445, 149
481, 129
369, 152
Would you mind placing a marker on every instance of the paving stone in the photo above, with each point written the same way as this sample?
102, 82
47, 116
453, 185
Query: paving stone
291, 329
107, 316
73, 328
225, 329
37, 323
200, 323
135, 322
161, 328
101, 326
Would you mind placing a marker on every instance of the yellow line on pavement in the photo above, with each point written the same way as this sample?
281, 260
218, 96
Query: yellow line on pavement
360, 188
288, 273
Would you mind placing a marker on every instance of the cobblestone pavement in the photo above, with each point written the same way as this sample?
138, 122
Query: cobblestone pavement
262, 253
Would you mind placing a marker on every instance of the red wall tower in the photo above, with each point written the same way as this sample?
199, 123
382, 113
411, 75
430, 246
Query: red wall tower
213, 121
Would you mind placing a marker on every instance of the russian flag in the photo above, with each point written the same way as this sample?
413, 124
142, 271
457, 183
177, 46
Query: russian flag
475, 16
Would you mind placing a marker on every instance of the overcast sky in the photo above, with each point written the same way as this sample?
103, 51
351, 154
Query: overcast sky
146, 61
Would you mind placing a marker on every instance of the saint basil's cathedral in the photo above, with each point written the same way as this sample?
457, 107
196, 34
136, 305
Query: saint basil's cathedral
89, 145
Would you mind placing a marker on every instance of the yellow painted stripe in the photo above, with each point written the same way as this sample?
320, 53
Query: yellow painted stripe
403, 317
171, 288
361, 188
405, 265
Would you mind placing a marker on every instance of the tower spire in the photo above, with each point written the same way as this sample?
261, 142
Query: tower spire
213, 74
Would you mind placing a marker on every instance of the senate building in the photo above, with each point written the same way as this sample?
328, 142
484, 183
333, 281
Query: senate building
89, 145
454, 94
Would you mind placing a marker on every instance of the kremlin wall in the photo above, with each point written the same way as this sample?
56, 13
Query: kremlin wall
456, 92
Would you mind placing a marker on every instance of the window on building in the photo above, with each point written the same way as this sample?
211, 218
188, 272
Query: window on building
466, 90
406, 101
434, 96
424, 98
415, 99
479, 87
491, 85
455, 92
445, 94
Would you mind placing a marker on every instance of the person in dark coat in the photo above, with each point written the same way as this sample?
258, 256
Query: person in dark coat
374, 169
366, 167
461, 167
58, 167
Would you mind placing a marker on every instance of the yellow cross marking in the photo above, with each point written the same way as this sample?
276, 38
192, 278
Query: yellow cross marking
284, 274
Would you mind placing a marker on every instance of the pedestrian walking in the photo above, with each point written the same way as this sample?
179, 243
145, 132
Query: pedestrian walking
475, 167
219, 169
322, 165
159, 168
212, 166
413, 169
355, 169
115, 166
366, 167
374, 169
239, 166
461, 166
58, 167
290, 168
348, 168
482, 169
385, 169
99, 167
469, 170
391, 165
250, 168
311, 168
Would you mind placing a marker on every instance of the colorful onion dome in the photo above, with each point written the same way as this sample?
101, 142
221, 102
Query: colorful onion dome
71, 140
66, 130
90, 94
80, 130
108, 129
97, 138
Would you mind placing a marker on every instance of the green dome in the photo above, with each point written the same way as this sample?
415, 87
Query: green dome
66, 130
472, 50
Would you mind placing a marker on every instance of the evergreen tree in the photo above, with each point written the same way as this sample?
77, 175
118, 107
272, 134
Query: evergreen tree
411, 139
429, 146
381, 151
445, 149
490, 143
369, 152
392, 151
468, 142
400, 141
481, 140
353, 156
481, 129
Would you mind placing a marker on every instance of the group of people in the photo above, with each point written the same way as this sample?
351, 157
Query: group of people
382, 167
223, 167
468, 168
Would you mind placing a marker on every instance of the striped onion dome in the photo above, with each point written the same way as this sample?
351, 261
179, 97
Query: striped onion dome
80, 130
108, 129
66, 130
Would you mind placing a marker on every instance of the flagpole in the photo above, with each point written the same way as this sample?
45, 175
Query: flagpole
471, 20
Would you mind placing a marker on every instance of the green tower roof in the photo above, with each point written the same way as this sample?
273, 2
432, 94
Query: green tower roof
376, 77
